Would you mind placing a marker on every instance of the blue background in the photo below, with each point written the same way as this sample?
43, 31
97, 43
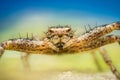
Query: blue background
105, 8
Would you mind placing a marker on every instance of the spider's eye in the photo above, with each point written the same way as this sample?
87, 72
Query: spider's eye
50, 30
50, 36
68, 30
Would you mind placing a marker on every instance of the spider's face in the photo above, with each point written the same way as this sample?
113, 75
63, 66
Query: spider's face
59, 36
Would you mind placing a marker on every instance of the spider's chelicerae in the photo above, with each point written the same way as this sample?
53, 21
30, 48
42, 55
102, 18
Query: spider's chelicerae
61, 40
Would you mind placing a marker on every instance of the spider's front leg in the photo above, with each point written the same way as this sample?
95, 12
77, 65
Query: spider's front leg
101, 42
98, 32
75, 45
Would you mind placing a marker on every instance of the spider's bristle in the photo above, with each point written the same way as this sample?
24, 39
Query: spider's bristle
32, 35
86, 31
60, 26
27, 35
89, 27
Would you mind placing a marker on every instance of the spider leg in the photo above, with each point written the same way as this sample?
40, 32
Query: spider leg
30, 46
75, 45
1, 51
98, 32
24, 58
109, 63
93, 53
101, 42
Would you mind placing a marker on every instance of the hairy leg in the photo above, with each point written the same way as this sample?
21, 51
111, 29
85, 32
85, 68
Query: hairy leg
98, 32
76, 46
101, 42
24, 58
109, 63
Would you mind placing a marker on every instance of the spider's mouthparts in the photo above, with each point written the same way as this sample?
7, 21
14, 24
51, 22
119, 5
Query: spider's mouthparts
60, 45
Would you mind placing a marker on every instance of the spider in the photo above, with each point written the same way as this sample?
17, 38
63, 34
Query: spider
62, 40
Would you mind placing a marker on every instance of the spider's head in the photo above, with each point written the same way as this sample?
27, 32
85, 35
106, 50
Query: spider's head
59, 35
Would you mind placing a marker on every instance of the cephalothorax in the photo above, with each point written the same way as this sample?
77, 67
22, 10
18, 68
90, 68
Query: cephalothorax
62, 40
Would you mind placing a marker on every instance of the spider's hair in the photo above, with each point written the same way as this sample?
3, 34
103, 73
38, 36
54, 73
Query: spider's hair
87, 30
60, 26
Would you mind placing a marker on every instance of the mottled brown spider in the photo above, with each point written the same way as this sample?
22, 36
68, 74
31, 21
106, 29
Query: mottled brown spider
62, 40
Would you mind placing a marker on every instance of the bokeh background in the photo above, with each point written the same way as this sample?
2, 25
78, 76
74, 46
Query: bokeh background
35, 16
